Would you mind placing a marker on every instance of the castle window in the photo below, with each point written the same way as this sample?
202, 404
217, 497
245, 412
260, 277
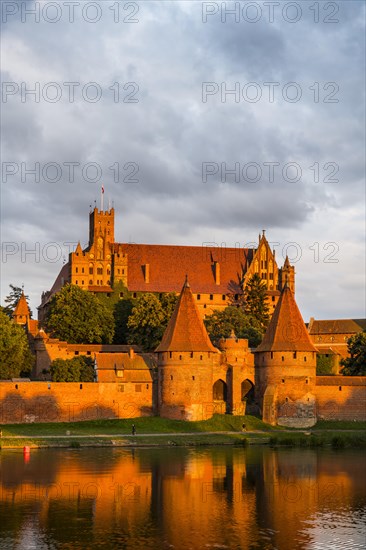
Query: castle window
193, 378
88, 352
305, 359
171, 377
90, 282
180, 358
76, 282
81, 386
201, 357
198, 296
90, 271
307, 381
16, 386
211, 296
137, 387
283, 380
82, 282
340, 388
82, 270
236, 296
282, 358
147, 386
286, 399
123, 271
76, 270
273, 298
294, 355
271, 276
134, 294
99, 271
271, 354
224, 296
191, 354
76, 353
170, 355
204, 306
121, 387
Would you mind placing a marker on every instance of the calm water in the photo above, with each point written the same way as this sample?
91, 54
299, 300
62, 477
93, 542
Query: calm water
255, 498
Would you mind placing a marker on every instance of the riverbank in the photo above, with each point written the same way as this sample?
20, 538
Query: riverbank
156, 432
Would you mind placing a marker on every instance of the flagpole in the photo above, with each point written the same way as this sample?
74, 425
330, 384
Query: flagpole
101, 199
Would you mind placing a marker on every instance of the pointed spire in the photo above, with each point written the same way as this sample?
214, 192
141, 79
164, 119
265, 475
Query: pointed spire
287, 262
22, 307
185, 330
286, 330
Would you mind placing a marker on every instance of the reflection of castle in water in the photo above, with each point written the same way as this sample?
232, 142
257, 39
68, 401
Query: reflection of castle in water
188, 498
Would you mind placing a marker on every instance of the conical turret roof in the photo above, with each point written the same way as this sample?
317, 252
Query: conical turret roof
286, 330
22, 307
185, 330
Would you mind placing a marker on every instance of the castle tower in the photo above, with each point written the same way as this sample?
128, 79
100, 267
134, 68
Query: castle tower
285, 366
186, 358
287, 275
21, 314
101, 226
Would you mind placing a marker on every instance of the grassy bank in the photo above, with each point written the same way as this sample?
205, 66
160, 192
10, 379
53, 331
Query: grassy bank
145, 425
156, 431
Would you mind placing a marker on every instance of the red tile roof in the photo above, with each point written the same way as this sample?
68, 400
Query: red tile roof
286, 330
168, 266
337, 326
185, 330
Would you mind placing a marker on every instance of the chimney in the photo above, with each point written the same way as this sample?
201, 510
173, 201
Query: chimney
131, 353
146, 270
217, 272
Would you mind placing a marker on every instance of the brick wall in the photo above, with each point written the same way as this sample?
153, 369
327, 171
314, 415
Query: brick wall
341, 397
69, 402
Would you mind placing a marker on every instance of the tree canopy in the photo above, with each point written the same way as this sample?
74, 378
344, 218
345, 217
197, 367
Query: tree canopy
77, 369
149, 319
221, 323
355, 365
255, 300
79, 317
12, 299
15, 357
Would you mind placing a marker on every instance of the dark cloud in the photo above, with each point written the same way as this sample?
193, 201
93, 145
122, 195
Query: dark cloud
170, 132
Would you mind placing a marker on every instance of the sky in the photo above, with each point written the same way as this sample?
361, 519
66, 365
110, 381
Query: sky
205, 122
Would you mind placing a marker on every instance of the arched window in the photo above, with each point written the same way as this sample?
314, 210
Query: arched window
247, 390
220, 391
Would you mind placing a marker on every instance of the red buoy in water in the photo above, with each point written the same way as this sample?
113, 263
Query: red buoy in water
26, 453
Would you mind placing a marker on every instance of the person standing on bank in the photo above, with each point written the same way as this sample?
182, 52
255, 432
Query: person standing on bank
133, 429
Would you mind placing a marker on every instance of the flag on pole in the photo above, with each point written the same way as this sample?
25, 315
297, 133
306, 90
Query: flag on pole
102, 188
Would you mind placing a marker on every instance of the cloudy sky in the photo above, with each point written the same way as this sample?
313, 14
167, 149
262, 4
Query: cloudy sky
202, 125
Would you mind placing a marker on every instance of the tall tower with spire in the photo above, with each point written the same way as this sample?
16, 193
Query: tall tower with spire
186, 358
285, 366
287, 276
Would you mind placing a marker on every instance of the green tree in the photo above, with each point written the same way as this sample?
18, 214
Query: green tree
15, 356
255, 300
147, 322
77, 369
12, 299
120, 303
324, 364
355, 365
221, 323
79, 317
